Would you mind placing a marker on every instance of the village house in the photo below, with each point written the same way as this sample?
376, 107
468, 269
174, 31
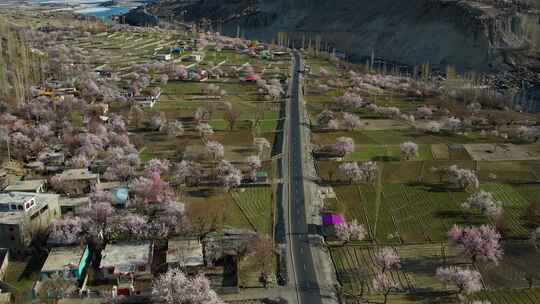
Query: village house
79, 180
186, 254
68, 263
126, 259
128, 265
31, 185
72, 204
22, 214
51, 158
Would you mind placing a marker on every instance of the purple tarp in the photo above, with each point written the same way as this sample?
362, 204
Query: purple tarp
332, 219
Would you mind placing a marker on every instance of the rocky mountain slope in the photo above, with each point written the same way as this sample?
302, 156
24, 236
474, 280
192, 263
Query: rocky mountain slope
463, 33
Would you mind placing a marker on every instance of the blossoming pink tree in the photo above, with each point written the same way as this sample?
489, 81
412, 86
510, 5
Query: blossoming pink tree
188, 172
387, 258
324, 118
466, 280
66, 231
408, 150
477, 243
130, 226
150, 190
485, 203
351, 122
204, 130
369, 171
155, 165
79, 162
463, 178
343, 146
350, 231
351, 171
215, 150
174, 287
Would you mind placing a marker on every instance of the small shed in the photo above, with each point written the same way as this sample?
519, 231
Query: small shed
164, 57
332, 219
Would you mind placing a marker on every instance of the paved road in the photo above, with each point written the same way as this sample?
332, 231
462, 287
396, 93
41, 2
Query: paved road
302, 260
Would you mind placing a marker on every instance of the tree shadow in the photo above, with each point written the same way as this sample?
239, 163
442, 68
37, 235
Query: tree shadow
204, 192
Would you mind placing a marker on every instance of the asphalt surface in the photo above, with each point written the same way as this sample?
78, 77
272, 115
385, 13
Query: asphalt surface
304, 271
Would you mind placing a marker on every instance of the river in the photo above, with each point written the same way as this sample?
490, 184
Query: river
94, 8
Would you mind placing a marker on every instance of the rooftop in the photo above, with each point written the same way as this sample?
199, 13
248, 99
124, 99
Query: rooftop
26, 185
109, 185
78, 174
185, 252
63, 257
332, 219
125, 253
73, 202
11, 213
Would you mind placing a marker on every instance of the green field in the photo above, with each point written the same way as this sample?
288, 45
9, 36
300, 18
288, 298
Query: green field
257, 206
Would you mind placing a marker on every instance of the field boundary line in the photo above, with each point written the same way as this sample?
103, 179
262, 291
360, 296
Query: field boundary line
378, 194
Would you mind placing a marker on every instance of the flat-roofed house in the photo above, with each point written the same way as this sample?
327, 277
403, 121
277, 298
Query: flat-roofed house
126, 259
71, 204
31, 185
79, 180
68, 262
185, 253
22, 214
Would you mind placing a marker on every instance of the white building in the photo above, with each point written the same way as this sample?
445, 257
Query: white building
24, 213
164, 57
